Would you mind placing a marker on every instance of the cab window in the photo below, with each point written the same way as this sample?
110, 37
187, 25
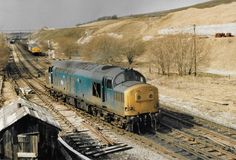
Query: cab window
97, 90
109, 83
120, 78
129, 75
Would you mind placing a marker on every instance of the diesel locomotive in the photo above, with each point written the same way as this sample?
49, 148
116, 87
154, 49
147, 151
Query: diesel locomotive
34, 49
118, 95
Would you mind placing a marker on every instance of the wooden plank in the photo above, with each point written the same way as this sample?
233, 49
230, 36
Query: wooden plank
81, 143
76, 133
81, 138
106, 149
26, 155
87, 146
114, 147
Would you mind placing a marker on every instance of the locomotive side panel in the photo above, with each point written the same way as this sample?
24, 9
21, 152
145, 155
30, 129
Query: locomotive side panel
118, 99
75, 85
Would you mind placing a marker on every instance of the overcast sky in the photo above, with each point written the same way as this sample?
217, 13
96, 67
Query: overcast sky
35, 14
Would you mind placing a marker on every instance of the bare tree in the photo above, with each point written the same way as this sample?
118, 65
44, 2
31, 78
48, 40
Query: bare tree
162, 53
69, 48
176, 53
106, 49
103, 49
131, 49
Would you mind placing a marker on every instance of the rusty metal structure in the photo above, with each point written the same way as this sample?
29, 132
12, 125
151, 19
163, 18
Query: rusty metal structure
220, 35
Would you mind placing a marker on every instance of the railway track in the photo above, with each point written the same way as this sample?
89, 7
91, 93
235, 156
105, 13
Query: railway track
182, 133
180, 136
31, 60
206, 128
107, 130
96, 145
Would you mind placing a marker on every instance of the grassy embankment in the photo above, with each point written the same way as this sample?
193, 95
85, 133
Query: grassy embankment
4, 52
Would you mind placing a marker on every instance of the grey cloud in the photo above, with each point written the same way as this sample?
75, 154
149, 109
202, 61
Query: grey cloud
34, 14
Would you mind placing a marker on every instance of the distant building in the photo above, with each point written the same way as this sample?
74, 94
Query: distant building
28, 131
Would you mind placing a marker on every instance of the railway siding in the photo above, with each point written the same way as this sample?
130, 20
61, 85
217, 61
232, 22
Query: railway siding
207, 141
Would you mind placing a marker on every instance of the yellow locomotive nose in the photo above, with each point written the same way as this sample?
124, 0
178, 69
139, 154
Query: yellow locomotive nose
36, 49
140, 99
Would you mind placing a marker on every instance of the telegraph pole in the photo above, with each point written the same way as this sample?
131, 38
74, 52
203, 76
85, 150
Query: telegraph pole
194, 50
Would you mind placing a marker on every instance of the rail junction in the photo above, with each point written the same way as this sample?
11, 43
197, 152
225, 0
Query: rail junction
179, 137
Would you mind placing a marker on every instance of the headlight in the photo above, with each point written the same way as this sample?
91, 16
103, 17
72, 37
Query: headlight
129, 108
138, 96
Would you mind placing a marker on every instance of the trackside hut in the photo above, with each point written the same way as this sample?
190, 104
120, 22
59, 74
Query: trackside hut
27, 131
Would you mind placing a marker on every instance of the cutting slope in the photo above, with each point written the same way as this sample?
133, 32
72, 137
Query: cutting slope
223, 56
147, 29
4, 53
221, 14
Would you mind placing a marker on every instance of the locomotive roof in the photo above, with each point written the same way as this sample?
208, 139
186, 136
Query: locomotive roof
94, 70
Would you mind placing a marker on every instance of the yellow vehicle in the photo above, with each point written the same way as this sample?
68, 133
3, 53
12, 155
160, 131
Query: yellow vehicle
34, 49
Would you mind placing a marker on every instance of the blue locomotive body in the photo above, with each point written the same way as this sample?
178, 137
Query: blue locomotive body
90, 84
105, 91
